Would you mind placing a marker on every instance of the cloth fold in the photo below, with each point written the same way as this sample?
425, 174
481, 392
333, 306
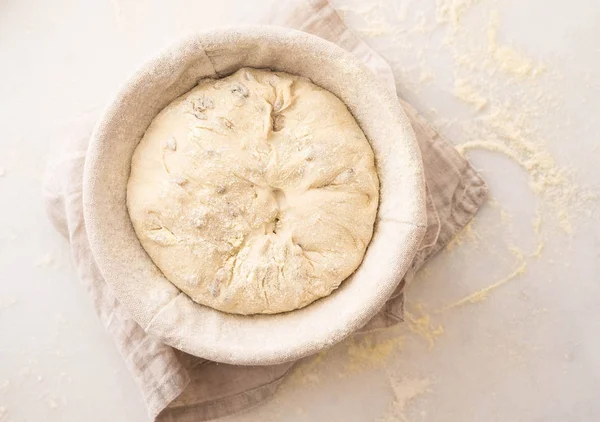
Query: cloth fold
180, 387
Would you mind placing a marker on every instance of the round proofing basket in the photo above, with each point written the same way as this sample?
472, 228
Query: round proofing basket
170, 315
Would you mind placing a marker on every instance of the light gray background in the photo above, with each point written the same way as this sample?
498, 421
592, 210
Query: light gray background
527, 352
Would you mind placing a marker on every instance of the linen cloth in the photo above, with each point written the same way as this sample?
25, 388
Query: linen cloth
181, 387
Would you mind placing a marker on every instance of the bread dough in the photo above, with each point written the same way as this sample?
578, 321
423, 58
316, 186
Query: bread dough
254, 193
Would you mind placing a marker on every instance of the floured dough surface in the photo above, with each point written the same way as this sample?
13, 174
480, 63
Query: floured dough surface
255, 193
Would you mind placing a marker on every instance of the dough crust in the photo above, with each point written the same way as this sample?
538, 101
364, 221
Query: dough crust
254, 193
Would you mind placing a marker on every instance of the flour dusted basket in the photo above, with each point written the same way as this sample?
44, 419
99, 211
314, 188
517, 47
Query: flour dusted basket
162, 309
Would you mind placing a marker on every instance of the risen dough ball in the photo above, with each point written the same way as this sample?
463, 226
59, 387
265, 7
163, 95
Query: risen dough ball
255, 193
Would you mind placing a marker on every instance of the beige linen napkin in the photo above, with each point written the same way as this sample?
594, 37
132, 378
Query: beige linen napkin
180, 387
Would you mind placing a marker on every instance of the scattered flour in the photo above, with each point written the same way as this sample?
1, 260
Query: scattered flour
426, 77
466, 92
538, 250
52, 403
6, 302
482, 294
420, 324
3, 414
452, 11
367, 351
405, 391
515, 103
307, 371
466, 234
511, 94
507, 57
4, 386
46, 261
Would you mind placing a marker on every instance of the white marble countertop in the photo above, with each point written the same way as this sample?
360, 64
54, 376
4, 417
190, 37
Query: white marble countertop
521, 78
